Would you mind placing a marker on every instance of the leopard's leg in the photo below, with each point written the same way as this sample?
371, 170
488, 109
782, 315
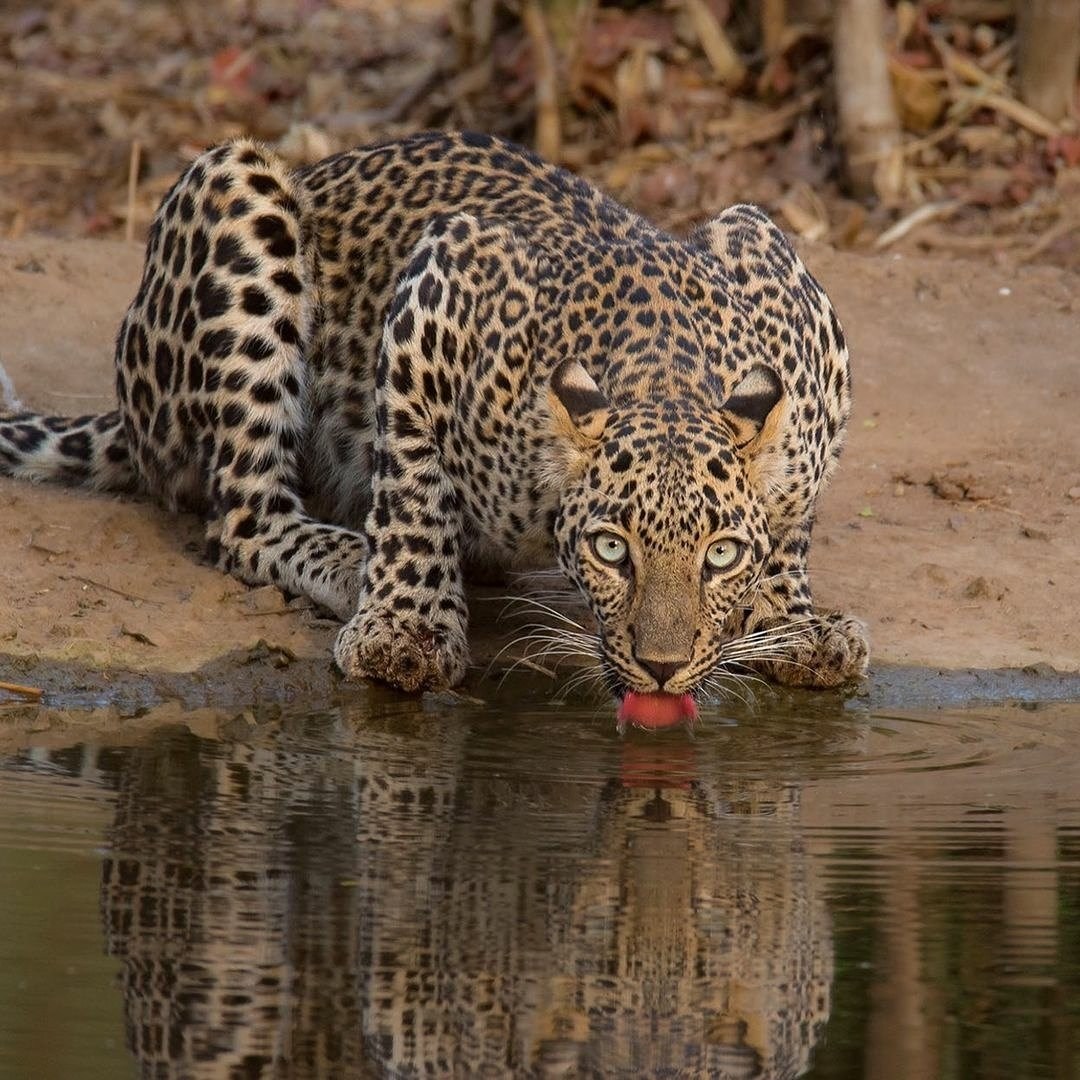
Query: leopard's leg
796, 644
213, 379
410, 626
455, 338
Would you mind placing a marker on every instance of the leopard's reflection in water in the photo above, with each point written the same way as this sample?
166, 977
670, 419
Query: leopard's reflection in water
410, 897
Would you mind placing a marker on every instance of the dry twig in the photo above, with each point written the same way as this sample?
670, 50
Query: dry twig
24, 691
728, 68
933, 211
1014, 110
773, 24
109, 588
1049, 238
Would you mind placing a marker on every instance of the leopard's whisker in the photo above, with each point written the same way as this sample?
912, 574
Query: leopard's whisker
761, 652
589, 680
540, 594
556, 638
790, 629
581, 643
716, 687
548, 571
793, 621
761, 657
551, 646
743, 676
732, 648
562, 631
539, 605
735, 648
775, 659
539, 656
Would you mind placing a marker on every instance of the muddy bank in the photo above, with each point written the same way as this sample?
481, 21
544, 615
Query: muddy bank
232, 695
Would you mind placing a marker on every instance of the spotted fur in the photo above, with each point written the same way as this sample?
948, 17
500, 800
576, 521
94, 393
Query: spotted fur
366, 372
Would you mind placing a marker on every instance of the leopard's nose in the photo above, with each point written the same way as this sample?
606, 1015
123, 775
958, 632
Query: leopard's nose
661, 670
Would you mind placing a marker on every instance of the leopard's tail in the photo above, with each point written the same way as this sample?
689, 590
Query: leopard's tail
88, 450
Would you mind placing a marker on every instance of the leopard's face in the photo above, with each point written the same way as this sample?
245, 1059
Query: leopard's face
665, 534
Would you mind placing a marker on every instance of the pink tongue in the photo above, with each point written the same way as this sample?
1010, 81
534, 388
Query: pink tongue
656, 710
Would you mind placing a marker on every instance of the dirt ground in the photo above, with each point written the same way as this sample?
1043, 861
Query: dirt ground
952, 527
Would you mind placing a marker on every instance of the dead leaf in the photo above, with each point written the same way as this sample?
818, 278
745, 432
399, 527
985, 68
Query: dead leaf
265, 600
232, 70
1063, 150
806, 212
918, 94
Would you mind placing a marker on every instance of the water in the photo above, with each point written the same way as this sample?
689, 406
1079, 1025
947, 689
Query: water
424, 889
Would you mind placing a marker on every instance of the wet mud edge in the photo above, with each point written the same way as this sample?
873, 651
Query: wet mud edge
269, 674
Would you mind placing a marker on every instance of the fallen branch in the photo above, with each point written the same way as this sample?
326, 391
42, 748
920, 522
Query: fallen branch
748, 128
109, 588
927, 212
933, 237
1013, 109
966, 69
24, 691
1050, 237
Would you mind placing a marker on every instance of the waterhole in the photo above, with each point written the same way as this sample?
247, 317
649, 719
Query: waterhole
512, 889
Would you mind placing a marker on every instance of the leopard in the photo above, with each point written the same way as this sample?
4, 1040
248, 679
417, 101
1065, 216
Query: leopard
370, 373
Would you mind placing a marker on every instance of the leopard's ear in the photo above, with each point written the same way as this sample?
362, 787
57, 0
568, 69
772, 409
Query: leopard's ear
579, 411
756, 408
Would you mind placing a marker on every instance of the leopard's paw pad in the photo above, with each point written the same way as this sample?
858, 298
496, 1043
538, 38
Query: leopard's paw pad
406, 654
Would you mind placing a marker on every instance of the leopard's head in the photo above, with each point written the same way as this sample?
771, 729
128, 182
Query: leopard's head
663, 521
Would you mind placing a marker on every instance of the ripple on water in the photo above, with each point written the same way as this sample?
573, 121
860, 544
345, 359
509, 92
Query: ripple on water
451, 887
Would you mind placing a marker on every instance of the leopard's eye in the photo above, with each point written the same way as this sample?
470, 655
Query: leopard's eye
723, 554
610, 548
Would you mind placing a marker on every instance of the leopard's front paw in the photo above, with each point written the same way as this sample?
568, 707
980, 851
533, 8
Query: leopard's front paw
405, 653
827, 651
